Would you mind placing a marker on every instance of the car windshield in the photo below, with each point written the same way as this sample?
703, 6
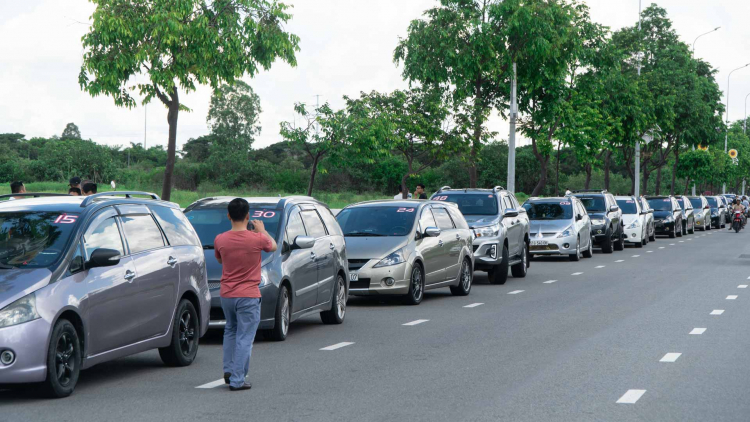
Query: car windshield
559, 210
377, 221
712, 202
471, 203
627, 206
34, 239
696, 202
660, 204
210, 222
593, 203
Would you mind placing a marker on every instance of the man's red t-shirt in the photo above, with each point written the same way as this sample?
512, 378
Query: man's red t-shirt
239, 252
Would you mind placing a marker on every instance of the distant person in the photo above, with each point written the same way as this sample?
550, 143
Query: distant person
239, 253
568, 192
401, 193
112, 185
89, 189
17, 187
74, 192
75, 182
420, 191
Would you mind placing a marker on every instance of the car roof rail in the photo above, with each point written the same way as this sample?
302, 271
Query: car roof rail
444, 188
89, 199
591, 190
497, 188
32, 195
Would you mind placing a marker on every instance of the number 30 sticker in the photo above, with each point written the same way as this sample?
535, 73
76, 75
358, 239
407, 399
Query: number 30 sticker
264, 214
405, 210
65, 219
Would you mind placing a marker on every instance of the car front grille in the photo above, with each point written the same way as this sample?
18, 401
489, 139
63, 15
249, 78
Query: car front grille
356, 264
548, 247
362, 283
214, 286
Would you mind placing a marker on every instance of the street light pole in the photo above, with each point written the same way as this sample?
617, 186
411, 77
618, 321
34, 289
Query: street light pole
744, 122
726, 134
696, 39
637, 190
511, 182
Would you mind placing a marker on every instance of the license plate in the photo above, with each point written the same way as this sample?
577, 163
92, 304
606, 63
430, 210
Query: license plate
353, 277
538, 243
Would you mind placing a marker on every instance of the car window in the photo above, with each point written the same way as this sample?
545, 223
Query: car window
593, 203
294, 226
660, 204
330, 221
549, 210
141, 232
314, 226
506, 204
368, 221
426, 219
513, 201
627, 206
76, 263
458, 219
470, 203
443, 219
178, 230
103, 233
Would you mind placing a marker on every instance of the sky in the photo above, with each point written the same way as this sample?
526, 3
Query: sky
346, 48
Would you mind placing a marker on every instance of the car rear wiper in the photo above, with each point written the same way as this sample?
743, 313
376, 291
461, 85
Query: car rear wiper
208, 246
363, 234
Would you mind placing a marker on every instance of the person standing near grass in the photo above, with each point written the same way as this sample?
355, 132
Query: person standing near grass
420, 191
17, 187
239, 253
89, 188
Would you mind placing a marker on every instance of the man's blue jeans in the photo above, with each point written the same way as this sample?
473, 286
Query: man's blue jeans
243, 316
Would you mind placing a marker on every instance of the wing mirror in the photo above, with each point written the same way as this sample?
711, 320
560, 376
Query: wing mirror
510, 212
103, 258
650, 211
579, 217
303, 242
431, 232
614, 208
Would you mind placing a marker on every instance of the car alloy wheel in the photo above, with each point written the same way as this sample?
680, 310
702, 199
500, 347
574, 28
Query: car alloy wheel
416, 284
285, 311
187, 333
65, 362
341, 299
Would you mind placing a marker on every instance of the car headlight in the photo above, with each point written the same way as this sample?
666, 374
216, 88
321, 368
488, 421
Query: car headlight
393, 259
488, 231
597, 222
20, 311
263, 279
634, 225
567, 232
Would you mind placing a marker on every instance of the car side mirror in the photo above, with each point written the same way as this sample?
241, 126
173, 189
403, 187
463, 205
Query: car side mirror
510, 212
303, 242
650, 211
614, 208
644, 212
431, 232
579, 217
103, 257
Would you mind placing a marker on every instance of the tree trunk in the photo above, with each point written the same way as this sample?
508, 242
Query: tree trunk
687, 186
557, 171
404, 189
674, 170
542, 177
174, 110
473, 167
658, 180
644, 190
587, 183
606, 170
313, 173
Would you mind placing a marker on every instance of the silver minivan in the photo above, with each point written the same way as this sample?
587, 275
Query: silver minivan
559, 226
404, 247
87, 280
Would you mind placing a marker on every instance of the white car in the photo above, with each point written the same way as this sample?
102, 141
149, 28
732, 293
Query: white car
650, 227
634, 220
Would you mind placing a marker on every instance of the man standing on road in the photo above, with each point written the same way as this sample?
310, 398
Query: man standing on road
238, 251
421, 194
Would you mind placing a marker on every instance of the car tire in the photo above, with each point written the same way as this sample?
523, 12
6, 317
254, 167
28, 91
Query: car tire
416, 286
679, 233
63, 360
499, 274
652, 237
185, 337
519, 270
575, 257
465, 279
589, 252
692, 228
620, 244
336, 314
282, 316
607, 244
673, 233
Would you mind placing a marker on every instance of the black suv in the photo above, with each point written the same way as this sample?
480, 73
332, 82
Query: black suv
606, 219
667, 215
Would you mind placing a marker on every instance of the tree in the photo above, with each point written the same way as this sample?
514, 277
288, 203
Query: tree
234, 113
71, 132
178, 44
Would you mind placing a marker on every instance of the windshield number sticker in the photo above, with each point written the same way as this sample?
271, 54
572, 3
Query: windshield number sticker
666, 200
405, 210
630, 202
65, 219
264, 214
441, 198
564, 203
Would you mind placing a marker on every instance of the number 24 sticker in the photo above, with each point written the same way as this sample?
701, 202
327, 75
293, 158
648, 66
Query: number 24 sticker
65, 219
405, 210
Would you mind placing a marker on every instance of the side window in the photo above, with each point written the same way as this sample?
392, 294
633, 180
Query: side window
103, 233
330, 221
513, 201
443, 219
141, 232
76, 263
294, 227
506, 204
458, 219
426, 219
178, 230
315, 227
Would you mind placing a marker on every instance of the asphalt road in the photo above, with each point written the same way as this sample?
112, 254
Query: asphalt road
532, 350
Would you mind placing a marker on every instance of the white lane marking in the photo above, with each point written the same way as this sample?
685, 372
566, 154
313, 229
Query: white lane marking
682, 241
600, 266
742, 286
419, 321
338, 345
473, 305
576, 273
717, 312
748, 278
698, 331
620, 260
731, 297
635, 256
689, 240
649, 251
631, 396
671, 244
515, 292
549, 281
670, 357
212, 384
661, 247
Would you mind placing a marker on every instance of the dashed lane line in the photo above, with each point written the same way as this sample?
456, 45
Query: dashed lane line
635, 256
670, 357
649, 251
599, 266
681, 241
417, 322
620, 260
661, 247
515, 292
576, 273
717, 312
473, 305
742, 286
671, 244
731, 297
338, 345
549, 281
212, 384
631, 396
698, 331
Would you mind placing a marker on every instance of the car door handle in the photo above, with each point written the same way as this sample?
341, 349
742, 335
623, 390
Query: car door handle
312, 256
458, 237
171, 261
331, 246
129, 275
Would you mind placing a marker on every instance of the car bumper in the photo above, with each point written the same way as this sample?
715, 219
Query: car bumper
555, 246
487, 253
372, 281
634, 235
29, 342
269, 295
598, 234
664, 228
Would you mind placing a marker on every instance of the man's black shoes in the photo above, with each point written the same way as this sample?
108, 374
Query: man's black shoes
245, 386
226, 377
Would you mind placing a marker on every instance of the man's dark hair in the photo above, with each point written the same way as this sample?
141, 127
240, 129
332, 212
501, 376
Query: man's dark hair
89, 187
238, 209
400, 188
15, 187
74, 190
421, 185
75, 180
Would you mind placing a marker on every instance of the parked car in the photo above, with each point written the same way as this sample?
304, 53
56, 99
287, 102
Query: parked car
559, 226
499, 223
667, 215
718, 212
688, 217
306, 275
85, 280
650, 229
634, 218
606, 219
728, 208
404, 247
701, 212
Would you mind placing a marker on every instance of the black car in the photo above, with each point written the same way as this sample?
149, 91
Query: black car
606, 219
667, 215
